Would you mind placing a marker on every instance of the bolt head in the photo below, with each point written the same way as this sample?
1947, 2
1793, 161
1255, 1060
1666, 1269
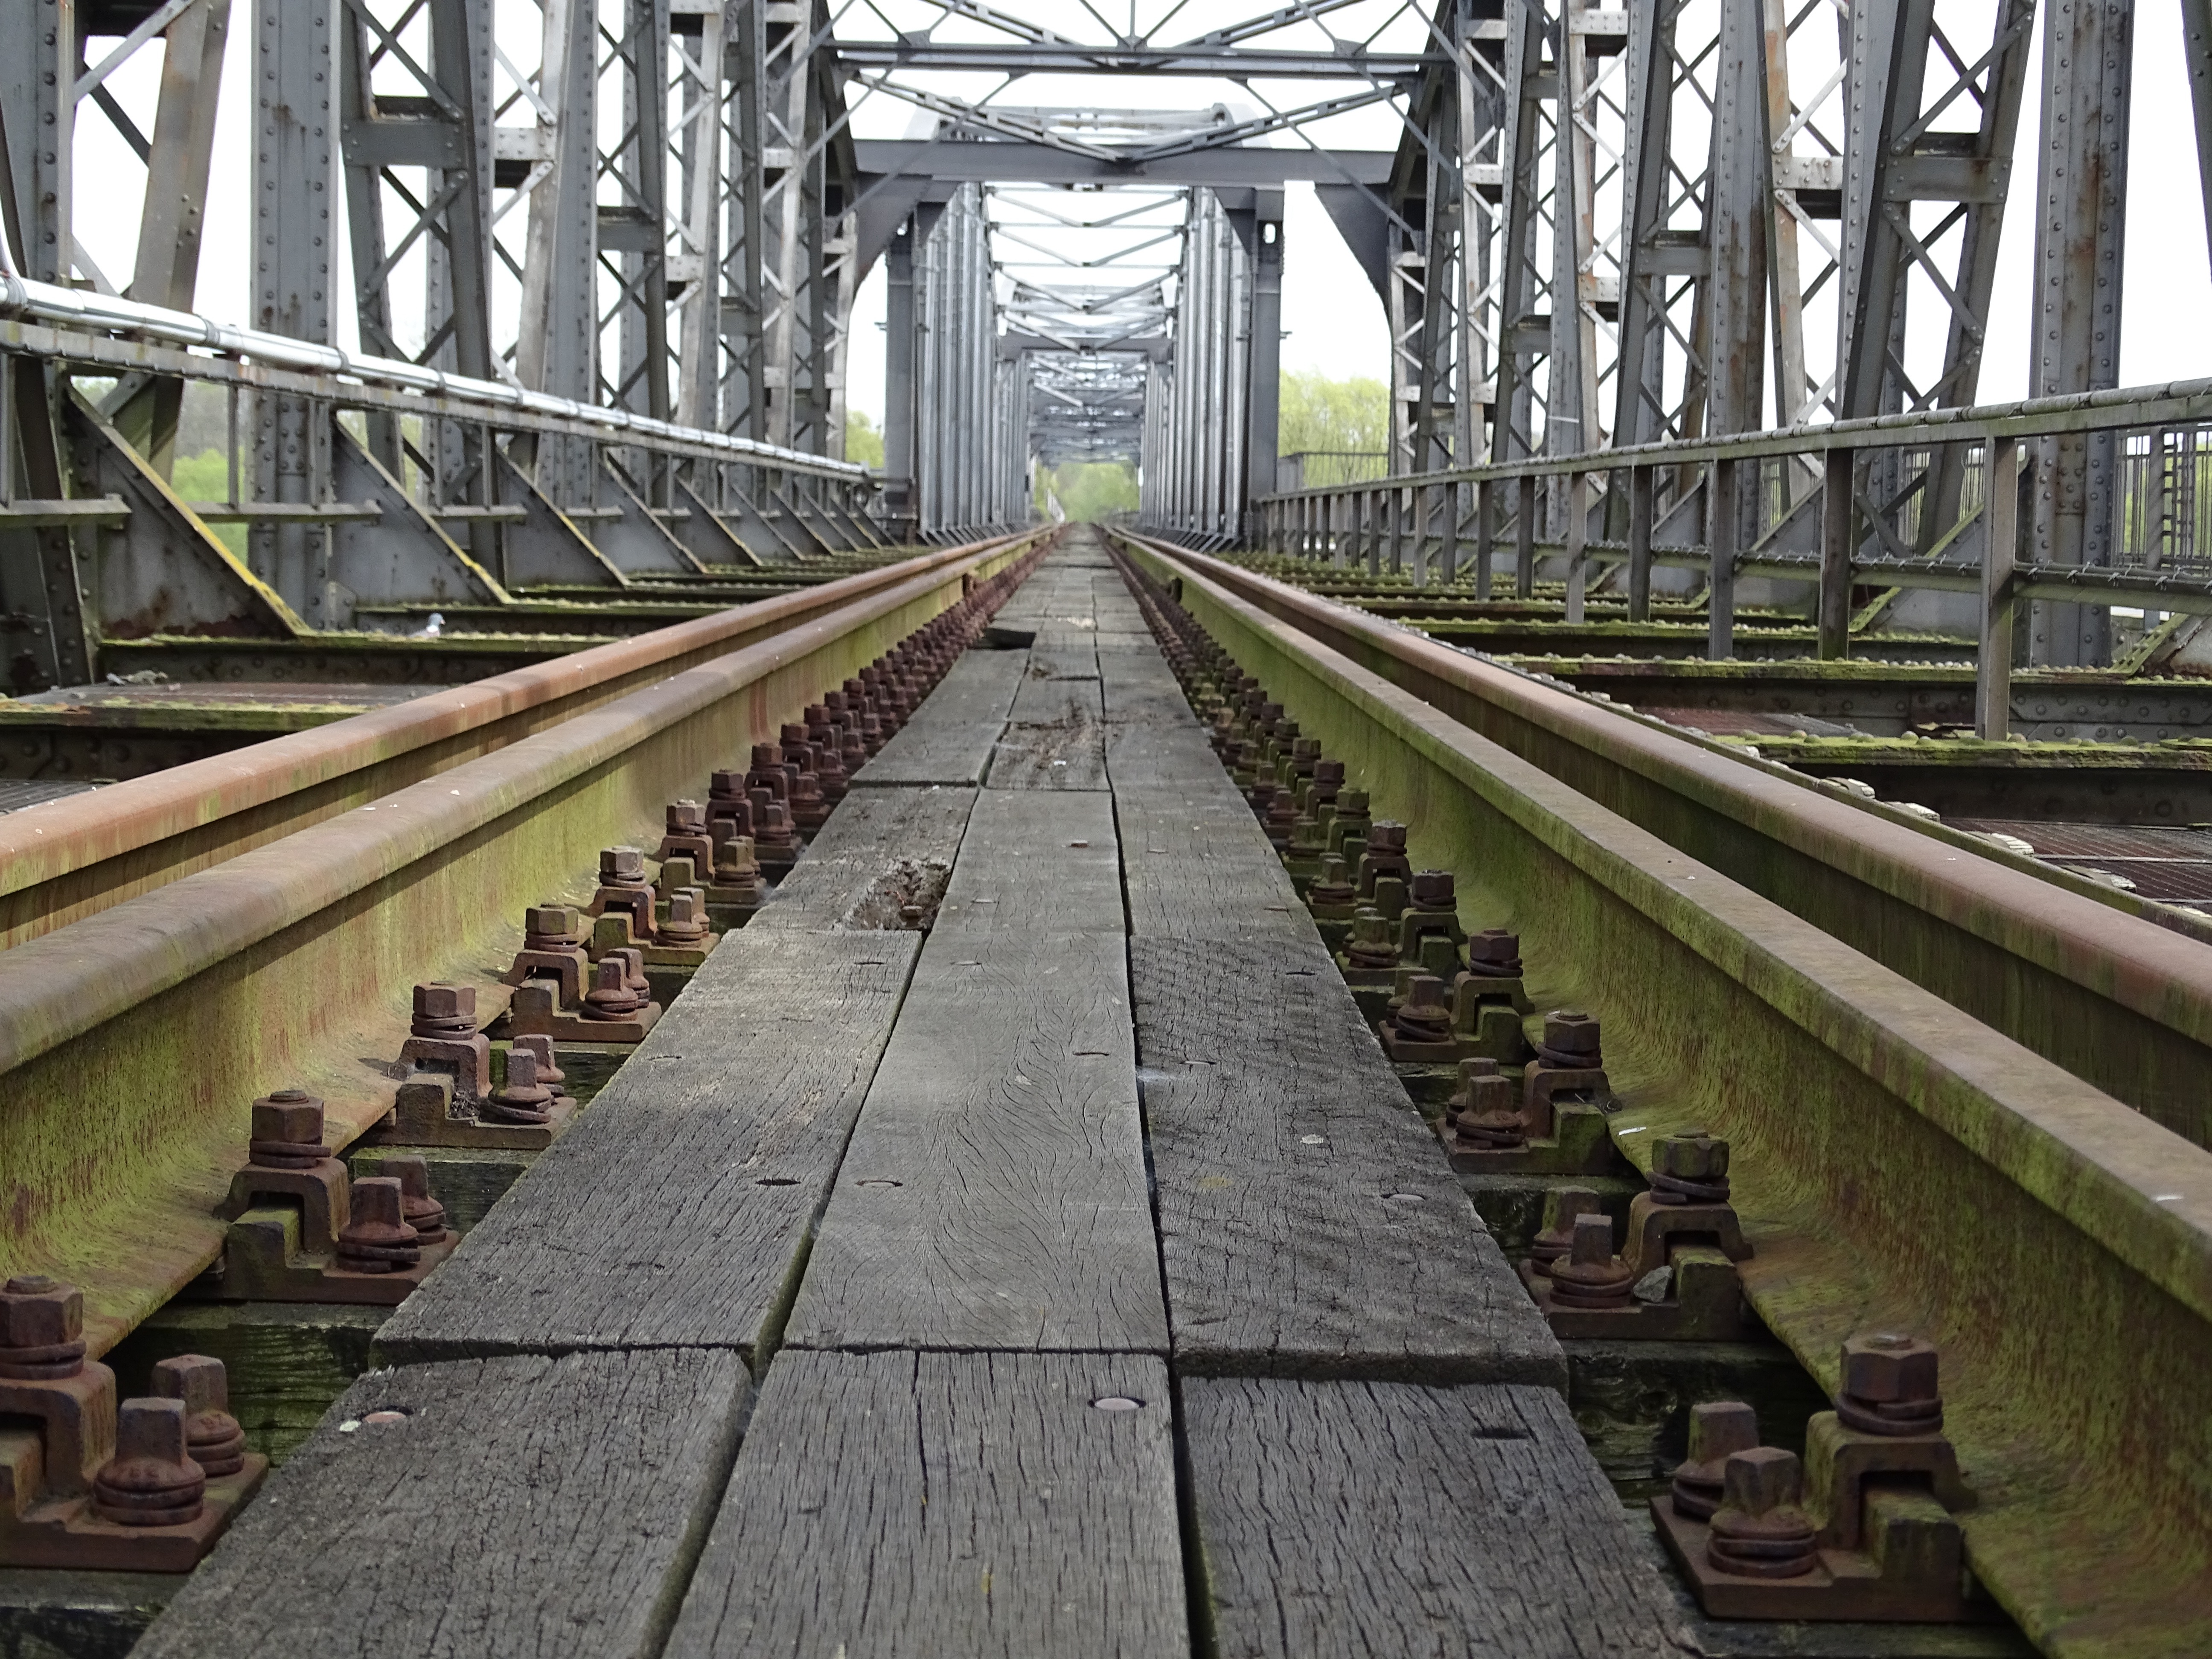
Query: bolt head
1592, 1239
1494, 946
196, 1379
442, 1001
376, 1199
766, 755
683, 905
1386, 835
1432, 888
550, 921
684, 815
413, 1173
1719, 1429
39, 1312
726, 785
622, 863
1426, 991
1762, 1479
150, 1429
1890, 1368
1570, 1031
793, 734
1352, 804
1691, 1156
1371, 926
1482, 1067
299, 1121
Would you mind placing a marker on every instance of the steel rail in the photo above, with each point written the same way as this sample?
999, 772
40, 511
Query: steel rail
2114, 989
1896, 1163
69, 858
132, 1041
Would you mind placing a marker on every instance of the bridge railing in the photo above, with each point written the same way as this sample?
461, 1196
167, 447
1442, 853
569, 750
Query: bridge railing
368, 488
2103, 513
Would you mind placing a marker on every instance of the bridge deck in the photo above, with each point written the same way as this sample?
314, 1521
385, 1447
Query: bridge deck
1074, 1279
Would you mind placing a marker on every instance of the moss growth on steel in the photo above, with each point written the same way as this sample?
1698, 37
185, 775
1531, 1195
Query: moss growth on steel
1879, 1187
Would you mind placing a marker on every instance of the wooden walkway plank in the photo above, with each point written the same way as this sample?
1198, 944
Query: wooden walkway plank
678, 1210
993, 1196
1057, 703
876, 843
519, 1506
1309, 1226
1036, 861
1348, 1521
950, 738
1196, 864
922, 1505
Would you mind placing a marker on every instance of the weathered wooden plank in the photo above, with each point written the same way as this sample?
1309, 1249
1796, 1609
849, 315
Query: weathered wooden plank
949, 739
1036, 861
1196, 864
1137, 680
993, 1195
1064, 659
1057, 703
1309, 1225
920, 1505
1050, 758
676, 1211
878, 844
524, 1505
1348, 1520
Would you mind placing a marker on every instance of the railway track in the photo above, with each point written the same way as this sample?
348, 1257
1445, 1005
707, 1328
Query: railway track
1773, 964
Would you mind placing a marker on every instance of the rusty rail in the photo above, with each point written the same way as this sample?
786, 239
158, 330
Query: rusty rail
2113, 989
133, 1040
70, 858
1897, 1162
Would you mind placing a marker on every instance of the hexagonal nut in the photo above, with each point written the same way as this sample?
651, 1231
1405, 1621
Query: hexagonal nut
1386, 835
1493, 947
288, 1116
1592, 1239
551, 920
1432, 888
795, 734
1426, 991
1305, 749
39, 1312
685, 906
1328, 771
685, 817
1890, 1368
727, 785
1720, 1428
1352, 804
766, 755
1570, 1031
1693, 1155
1761, 1479
622, 863
197, 1379
442, 1001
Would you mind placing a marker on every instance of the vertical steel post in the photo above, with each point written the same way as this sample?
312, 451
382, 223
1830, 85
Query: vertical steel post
1993, 653
1837, 546
1485, 533
1577, 533
1642, 482
1524, 541
1724, 515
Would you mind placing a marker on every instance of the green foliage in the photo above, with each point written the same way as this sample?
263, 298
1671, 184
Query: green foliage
1345, 425
863, 442
1089, 492
206, 478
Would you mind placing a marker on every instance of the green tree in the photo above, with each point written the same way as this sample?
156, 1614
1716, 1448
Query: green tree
1344, 424
1089, 492
206, 478
863, 442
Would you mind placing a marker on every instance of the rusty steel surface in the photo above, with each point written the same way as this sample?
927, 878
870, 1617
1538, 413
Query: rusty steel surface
75, 858
2080, 973
1895, 1164
133, 1041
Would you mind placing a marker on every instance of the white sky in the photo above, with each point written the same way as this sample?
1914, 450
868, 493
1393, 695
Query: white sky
1334, 321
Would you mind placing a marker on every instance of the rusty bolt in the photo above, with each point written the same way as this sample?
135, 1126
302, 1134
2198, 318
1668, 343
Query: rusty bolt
726, 785
1494, 952
1431, 890
1386, 836
444, 1010
212, 1437
1352, 804
152, 1480
610, 996
287, 1131
1328, 771
376, 1238
41, 1328
1719, 1430
423, 1212
1334, 885
540, 1047
550, 927
767, 755
1592, 1276
1563, 1208
687, 918
621, 867
1889, 1385
686, 818
1690, 1168
1570, 1038
1372, 945
1425, 1014
1761, 1479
